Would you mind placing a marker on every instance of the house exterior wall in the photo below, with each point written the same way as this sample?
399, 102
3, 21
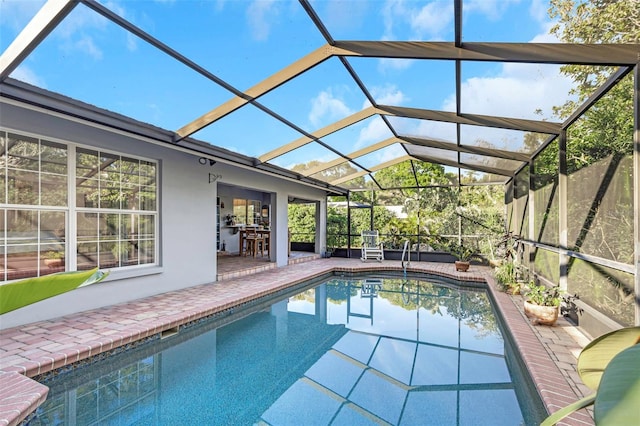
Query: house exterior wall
186, 207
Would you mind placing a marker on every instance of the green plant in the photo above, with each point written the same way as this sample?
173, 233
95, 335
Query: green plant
505, 274
53, 254
463, 252
542, 295
609, 365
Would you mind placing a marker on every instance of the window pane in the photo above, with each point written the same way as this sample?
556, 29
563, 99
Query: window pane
54, 190
87, 256
53, 157
146, 251
22, 261
240, 210
109, 195
109, 167
87, 227
23, 187
148, 170
87, 193
130, 170
22, 227
130, 254
253, 212
52, 227
107, 259
129, 198
23, 153
87, 163
129, 225
147, 226
109, 226
148, 198
52, 258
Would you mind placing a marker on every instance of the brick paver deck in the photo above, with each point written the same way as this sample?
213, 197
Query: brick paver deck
37, 348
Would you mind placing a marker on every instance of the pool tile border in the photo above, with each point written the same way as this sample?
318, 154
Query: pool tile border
46, 346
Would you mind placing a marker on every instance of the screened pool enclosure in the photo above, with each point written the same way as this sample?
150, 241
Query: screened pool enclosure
403, 129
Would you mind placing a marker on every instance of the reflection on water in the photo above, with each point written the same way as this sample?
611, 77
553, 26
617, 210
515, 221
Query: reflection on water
372, 351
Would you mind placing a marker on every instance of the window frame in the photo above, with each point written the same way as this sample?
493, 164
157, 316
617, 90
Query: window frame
71, 210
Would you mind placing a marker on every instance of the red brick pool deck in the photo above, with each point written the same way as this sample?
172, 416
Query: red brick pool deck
33, 349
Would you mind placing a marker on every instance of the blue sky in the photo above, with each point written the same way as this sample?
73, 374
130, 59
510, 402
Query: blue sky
243, 42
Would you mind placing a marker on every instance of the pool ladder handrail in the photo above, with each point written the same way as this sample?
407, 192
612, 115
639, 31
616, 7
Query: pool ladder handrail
406, 250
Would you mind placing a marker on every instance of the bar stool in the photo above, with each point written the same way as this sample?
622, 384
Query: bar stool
253, 242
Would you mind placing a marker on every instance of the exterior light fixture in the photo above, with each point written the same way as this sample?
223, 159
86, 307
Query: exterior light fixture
203, 161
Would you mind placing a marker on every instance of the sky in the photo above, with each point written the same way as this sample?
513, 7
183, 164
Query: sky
243, 42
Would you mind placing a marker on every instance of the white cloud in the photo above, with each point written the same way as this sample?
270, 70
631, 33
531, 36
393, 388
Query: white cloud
132, 42
546, 37
492, 9
394, 64
424, 128
258, 14
433, 19
16, 14
86, 44
26, 74
386, 95
518, 92
375, 131
326, 108
429, 22
538, 10
392, 10
80, 19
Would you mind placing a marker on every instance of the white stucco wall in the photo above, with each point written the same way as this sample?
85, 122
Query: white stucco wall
187, 220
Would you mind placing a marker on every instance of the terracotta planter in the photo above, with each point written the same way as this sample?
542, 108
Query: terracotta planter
545, 315
462, 266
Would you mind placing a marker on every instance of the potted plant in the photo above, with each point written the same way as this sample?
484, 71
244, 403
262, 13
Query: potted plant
462, 252
542, 303
54, 258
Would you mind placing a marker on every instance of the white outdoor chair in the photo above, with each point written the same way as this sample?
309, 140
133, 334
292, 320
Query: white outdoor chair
371, 246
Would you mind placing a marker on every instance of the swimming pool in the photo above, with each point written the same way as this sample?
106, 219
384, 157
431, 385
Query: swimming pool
367, 350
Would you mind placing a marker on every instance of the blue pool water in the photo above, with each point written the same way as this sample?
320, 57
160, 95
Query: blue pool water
350, 351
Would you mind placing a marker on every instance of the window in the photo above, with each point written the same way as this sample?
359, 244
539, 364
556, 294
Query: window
112, 213
116, 202
246, 211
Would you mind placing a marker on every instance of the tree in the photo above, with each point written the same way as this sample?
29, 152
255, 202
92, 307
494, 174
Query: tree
599, 149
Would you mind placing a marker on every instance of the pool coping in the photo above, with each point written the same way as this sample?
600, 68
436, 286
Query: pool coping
47, 346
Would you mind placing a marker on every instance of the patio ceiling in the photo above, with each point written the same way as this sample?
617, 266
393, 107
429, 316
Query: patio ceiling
356, 126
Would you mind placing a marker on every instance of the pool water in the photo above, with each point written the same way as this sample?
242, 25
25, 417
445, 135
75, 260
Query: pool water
350, 351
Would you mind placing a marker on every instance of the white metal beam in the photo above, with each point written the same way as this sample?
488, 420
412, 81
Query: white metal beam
47, 18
